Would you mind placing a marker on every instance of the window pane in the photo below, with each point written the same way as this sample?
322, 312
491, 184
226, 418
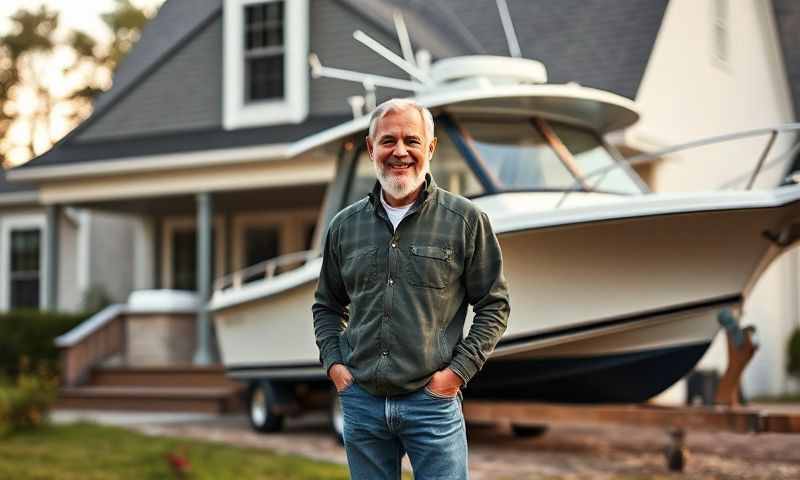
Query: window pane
265, 77
261, 243
24, 273
184, 259
184, 253
592, 157
516, 155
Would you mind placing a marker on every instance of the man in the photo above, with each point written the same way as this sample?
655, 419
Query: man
399, 270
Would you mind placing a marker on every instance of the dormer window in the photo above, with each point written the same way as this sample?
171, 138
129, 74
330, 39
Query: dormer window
263, 51
266, 74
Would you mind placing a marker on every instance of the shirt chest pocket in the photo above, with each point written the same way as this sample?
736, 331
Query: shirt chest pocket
430, 266
360, 269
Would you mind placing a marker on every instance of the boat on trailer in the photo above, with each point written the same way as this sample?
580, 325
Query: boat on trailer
615, 290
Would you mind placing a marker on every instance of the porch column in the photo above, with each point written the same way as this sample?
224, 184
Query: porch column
203, 354
51, 246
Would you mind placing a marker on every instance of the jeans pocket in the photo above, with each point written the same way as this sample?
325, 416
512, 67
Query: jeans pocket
347, 388
430, 393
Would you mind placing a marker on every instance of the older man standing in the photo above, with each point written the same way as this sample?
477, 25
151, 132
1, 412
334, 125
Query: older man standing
400, 268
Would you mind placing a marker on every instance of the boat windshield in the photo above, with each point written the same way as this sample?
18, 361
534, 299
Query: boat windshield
529, 154
489, 155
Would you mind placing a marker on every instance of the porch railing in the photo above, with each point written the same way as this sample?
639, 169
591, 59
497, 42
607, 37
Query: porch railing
265, 270
91, 342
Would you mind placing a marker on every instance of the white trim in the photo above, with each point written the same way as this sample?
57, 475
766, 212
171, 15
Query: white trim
89, 326
19, 197
19, 222
294, 107
643, 206
186, 223
154, 163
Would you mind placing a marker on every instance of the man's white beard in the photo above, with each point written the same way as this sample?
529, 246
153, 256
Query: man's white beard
399, 186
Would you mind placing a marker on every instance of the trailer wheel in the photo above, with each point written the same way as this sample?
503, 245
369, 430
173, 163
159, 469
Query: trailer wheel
529, 431
337, 418
261, 408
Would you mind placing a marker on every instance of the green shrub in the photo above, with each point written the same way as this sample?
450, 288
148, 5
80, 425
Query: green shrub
26, 403
793, 353
29, 335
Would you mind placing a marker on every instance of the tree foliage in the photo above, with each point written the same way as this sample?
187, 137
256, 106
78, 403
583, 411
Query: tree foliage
49, 76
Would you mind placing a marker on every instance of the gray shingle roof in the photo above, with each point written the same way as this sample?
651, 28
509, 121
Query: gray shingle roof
180, 142
175, 22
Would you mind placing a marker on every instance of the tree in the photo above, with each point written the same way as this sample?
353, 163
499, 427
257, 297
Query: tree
49, 77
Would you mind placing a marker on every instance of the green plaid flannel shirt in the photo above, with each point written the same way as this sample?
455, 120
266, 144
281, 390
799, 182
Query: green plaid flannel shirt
391, 305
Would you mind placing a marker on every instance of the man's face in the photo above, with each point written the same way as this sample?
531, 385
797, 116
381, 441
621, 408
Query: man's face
401, 153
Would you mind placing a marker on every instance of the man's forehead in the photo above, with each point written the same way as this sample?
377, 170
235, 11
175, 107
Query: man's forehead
405, 116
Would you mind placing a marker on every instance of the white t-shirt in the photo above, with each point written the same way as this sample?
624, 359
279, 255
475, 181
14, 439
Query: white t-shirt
395, 213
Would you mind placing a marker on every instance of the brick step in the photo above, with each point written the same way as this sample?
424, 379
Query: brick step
189, 376
173, 399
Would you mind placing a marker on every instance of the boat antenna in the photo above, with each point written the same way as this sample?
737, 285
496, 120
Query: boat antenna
366, 79
403, 38
392, 57
508, 28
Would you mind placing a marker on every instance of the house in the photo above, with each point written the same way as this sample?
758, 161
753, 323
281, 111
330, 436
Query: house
190, 152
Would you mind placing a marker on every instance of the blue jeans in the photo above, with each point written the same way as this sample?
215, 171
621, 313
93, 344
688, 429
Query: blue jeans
379, 430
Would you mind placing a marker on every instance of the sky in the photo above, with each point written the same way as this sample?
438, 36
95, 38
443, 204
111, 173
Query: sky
75, 14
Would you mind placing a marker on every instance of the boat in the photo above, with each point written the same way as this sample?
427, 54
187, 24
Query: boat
615, 291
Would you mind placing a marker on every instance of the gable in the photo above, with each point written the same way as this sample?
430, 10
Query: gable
183, 93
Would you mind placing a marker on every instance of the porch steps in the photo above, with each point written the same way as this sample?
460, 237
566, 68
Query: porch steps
174, 389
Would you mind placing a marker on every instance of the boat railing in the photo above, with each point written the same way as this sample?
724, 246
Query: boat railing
661, 154
265, 270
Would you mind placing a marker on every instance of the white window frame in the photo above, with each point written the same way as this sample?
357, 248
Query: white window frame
9, 224
293, 108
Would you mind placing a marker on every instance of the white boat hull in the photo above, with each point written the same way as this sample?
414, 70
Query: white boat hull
609, 299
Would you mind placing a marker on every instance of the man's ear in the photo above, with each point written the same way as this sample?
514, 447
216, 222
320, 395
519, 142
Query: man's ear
369, 146
432, 147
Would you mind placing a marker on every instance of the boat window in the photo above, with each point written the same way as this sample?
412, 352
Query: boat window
515, 154
593, 161
450, 170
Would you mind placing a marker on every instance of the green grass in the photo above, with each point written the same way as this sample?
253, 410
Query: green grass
87, 451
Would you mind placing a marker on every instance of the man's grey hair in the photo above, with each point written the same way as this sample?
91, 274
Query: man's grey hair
395, 104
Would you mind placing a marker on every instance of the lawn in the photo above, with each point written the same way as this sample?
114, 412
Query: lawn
86, 451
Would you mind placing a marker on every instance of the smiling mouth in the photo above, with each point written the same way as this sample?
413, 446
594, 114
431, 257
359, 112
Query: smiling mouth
400, 166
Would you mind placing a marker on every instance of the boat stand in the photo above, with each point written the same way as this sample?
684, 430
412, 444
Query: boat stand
533, 418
